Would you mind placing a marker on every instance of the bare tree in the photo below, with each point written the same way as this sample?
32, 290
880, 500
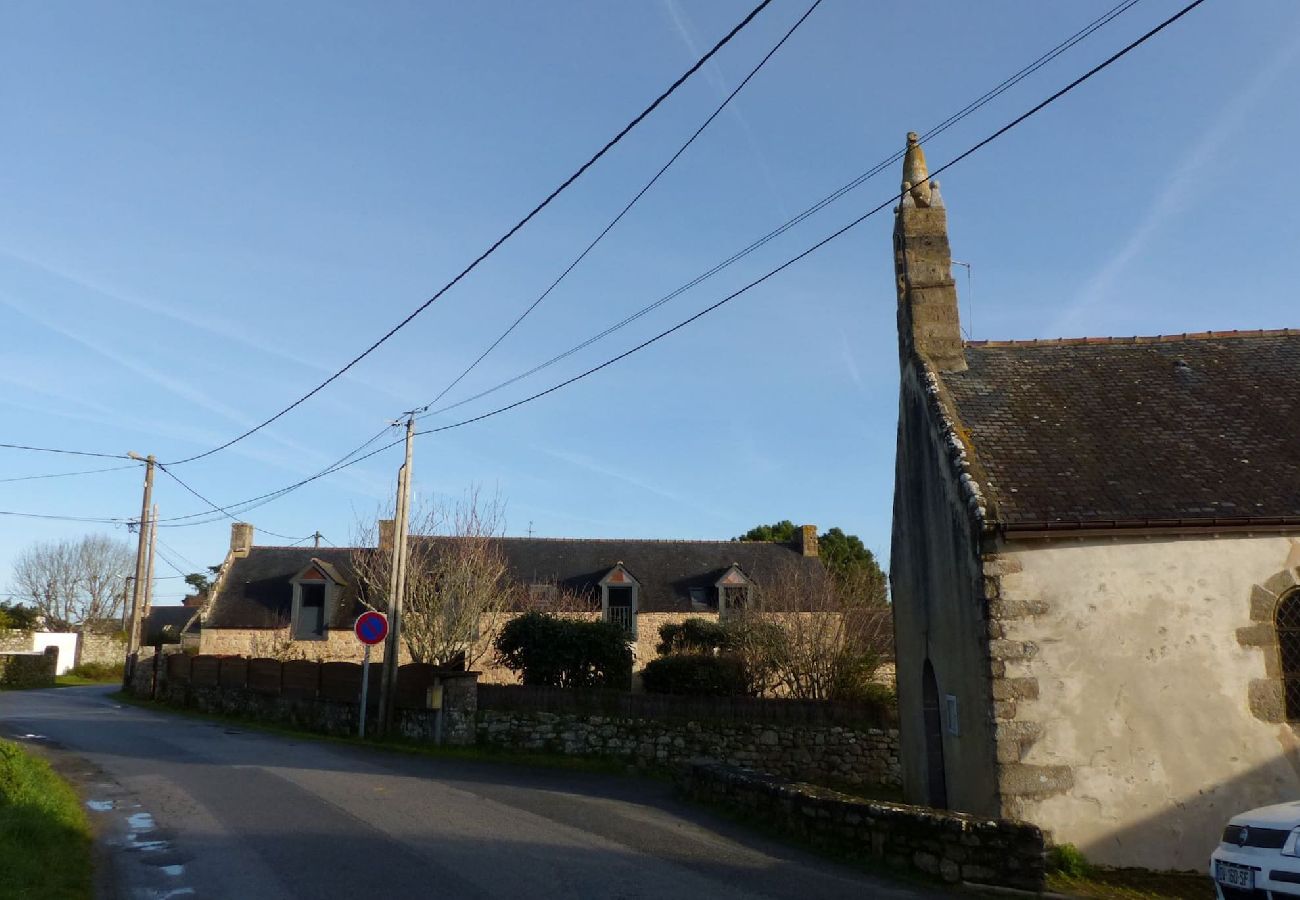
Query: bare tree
801, 637
458, 589
73, 582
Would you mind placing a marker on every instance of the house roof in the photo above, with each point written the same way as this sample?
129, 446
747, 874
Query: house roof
1169, 430
165, 623
256, 592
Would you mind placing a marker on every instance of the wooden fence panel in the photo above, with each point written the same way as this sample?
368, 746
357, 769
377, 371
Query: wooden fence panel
340, 681
204, 671
264, 676
232, 672
300, 678
178, 668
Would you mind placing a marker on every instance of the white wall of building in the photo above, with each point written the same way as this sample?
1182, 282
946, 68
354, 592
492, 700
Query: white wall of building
1143, 691
66, 642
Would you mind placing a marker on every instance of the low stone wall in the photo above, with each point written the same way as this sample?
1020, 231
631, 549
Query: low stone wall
101, 649
827, 753
28, 669
950, 846
14, 641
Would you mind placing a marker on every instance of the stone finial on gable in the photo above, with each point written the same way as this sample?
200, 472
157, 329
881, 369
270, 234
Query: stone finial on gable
928, 324
916, 175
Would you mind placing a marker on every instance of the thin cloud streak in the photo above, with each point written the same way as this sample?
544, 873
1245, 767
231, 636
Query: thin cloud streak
1178, 192
711, 71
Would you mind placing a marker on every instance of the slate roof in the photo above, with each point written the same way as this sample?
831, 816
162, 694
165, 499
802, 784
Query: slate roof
257, 593
1161, 430
164, 624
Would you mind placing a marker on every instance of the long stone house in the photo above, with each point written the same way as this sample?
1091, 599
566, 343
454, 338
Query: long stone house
303, 601
1095, 569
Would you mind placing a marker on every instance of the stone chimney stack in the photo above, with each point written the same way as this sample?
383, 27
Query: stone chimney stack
927, 295
241, 538
387, 529
807, 540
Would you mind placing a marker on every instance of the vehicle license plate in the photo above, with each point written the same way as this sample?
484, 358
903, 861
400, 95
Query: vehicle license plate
1234, 875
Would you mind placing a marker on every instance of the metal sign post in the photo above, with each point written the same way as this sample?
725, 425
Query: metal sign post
371, 628
365, 685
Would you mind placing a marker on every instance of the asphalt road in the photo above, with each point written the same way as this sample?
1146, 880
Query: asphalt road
194, 809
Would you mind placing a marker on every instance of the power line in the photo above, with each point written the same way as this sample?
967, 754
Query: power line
970, 108
627, 208
219, 509
67, 474
818, 245
65, 452
499, 241
876, 169
836, 234
266, 498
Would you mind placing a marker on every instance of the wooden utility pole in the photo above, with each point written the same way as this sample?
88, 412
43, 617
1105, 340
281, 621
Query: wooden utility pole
137, 589
317, 536
148, 576
396, 587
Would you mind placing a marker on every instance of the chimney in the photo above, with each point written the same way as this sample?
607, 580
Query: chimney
927, 295
807, 540
387, 528
241, 538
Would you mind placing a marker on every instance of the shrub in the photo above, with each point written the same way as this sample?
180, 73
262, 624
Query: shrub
694, 635
98, 671
1067, 860
696, 674
546, 650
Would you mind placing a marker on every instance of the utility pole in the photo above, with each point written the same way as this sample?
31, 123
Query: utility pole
317, 536
396, 586
148, 577
137, 588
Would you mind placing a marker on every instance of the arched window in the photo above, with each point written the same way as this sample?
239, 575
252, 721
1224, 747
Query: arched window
1287, 621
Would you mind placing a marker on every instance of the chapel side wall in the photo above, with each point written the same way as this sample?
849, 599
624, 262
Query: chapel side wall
935, 574
1143, 681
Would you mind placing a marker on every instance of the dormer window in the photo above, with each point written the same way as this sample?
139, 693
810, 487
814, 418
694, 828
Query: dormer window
314, 590
734, 590
618, 598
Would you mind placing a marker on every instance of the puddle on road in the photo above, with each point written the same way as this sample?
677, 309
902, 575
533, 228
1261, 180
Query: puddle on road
100, 805
140, 822
33, 737
174, 871
179, 892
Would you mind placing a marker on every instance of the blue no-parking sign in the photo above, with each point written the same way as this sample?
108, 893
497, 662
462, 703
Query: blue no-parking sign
371, 628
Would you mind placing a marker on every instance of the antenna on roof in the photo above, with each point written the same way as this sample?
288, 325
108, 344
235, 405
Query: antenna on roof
530, 527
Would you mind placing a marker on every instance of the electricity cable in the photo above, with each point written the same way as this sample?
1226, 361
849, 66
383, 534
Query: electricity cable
627, 208
818, 245
879, 167
499, 241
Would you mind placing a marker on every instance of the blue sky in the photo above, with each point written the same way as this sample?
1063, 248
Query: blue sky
205, 209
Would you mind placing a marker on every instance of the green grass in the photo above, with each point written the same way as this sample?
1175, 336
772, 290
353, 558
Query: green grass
44, 834
1133, 884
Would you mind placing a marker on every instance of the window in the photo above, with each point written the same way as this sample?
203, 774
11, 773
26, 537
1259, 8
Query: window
309, 609
733, 590
703, 598
620, 606
1287, 621
735, 596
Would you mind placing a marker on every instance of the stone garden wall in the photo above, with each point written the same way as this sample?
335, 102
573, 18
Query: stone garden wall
951, 846
807, 740
28, 669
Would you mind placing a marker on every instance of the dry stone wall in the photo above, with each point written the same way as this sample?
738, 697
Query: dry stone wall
951, 846
826, 753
